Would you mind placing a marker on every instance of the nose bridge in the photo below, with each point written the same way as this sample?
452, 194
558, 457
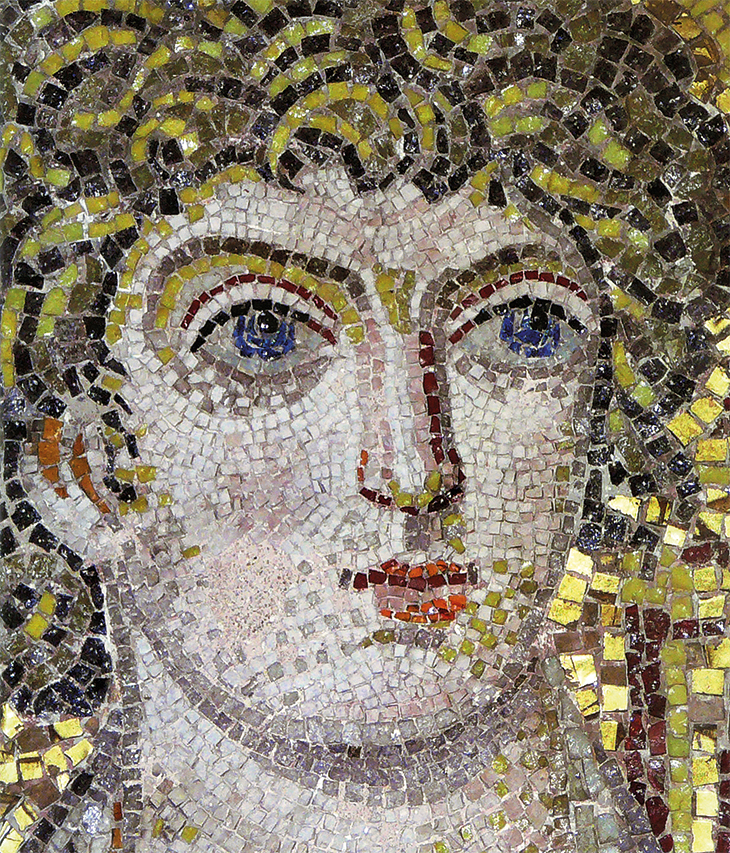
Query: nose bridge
403, 414
406, 464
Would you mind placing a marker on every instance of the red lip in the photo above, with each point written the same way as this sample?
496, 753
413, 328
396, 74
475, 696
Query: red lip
405, 592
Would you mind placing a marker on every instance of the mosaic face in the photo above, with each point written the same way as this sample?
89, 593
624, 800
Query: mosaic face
365, 433
333, 454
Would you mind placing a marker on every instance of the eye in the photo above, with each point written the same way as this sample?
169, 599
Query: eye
259, 336
265, 334
536, 329
524, 330
529, 330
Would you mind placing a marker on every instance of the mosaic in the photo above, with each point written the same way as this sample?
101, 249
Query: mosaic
366, 411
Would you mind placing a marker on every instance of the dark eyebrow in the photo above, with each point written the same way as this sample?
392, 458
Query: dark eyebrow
444, 298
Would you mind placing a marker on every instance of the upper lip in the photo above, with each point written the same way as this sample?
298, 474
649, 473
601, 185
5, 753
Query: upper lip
404, 588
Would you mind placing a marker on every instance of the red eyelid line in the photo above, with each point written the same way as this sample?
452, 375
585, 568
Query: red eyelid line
282, 283
515, 278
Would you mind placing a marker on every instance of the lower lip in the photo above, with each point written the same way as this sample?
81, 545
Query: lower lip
429, 594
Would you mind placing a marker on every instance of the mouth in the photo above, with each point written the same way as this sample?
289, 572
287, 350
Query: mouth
429, 594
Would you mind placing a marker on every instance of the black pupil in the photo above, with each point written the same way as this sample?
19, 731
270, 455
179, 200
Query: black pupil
267, 323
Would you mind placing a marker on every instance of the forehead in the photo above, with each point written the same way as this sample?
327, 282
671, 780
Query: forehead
396, 228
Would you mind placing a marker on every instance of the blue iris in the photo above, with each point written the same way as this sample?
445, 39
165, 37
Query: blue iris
520, 333
264, 335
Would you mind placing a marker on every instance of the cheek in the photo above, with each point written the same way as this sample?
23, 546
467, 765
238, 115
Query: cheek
274, 463
512, 442
509, 423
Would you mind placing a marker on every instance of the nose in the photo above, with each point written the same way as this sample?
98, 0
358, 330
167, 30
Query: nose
420, 469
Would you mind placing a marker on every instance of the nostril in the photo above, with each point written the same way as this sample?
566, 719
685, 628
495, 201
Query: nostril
445, 499
438, 503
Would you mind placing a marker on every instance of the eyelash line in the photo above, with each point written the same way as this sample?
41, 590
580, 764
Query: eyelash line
222, 317
556, 310
248, 278
490, 289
